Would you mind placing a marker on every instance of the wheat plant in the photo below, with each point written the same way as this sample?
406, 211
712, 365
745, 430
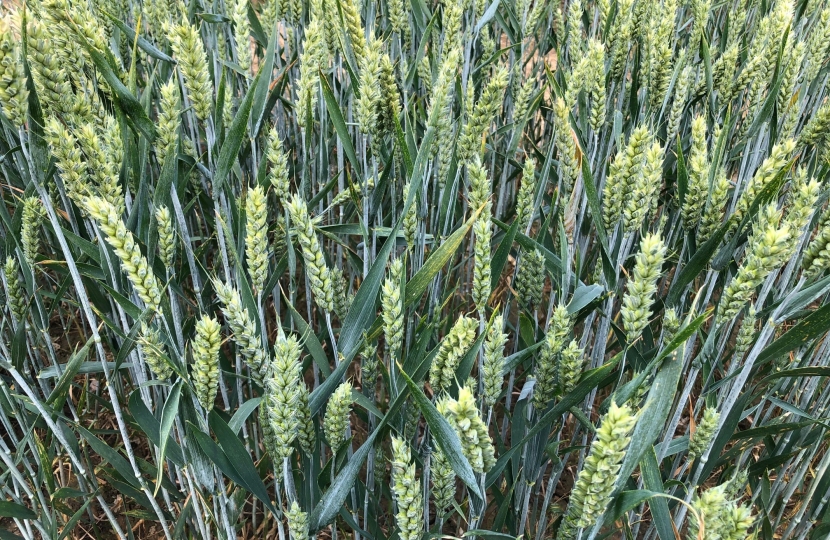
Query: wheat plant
415, 269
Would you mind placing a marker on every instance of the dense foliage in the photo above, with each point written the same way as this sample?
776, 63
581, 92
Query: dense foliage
402, 268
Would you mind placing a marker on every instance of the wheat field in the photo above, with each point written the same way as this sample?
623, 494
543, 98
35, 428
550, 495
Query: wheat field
415, 269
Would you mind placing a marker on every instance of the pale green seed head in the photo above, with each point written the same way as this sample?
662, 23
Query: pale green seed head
169, 119
14, 290
450, 352
336, 419
493, 367
595, 483
443, 482
33, 214
133, 263
278, 161
242, 33
189, 51
257, 250
245, 332
700, 439
642, 286
13, 92
463, 416
407, 491
318, 273
767, 249
297, 522
392, 309
527, 193
154, 352
282, 394
205, 372
167, 236
530, 280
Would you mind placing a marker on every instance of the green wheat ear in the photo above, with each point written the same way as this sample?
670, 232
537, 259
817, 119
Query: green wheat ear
33, 214
14, 290
493, 367
595, 483
283, 394
452, 349
407, 491
392, 309
133, 262
319, 275
443, 482
297, 522
463, 416
636, 308
189, 50
206, 360
700, 439
13, 92
257, 250
245, 332
154, 351
767, 249
336, 420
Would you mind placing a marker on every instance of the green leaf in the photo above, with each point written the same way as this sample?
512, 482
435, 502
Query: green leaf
812, 326
365, 403
628, 500
213, 18
150, 426
488, 14
309, 339
242, 414
436, 261
240, 459
593, 204
336, 116
261, 92
590, 380
10, 509
363, 305
816, 371
70, 369
216, 455
111, 455
489, 535
120, 94
445, 436
696, 265
652, 416
256, 27
85, 368
69, 527
145, 45
774, 429
168, 416
329, 506
584, 295
659, 506
233, 142
803, 298
501, 254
